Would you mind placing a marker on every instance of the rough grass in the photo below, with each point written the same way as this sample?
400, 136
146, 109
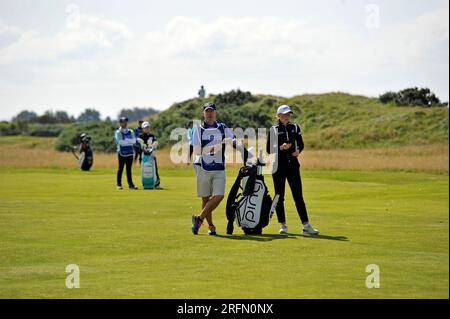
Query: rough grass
38, 152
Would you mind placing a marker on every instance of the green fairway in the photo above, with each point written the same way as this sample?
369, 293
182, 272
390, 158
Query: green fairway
138, 244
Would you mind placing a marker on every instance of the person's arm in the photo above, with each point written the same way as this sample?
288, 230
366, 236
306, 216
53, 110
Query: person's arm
141, 142
196, 141
133, 137
189, 135
127, 141
299, 145
152, 141
229, 135
299, 139
117, 137
272, 141
136, 135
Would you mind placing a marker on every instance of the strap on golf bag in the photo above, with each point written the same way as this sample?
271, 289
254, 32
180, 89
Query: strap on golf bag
232, 202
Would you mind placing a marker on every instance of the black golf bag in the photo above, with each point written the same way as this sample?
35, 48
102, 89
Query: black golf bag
86, 158
249, 202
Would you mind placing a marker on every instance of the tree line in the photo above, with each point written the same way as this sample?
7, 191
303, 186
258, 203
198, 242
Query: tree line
88, 115
51, 123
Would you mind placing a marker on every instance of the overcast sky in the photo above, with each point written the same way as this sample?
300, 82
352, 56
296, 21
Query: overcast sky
108, 55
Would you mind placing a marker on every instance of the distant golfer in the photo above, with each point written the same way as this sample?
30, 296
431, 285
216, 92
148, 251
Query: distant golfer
189, 132
201, 92
137, 147
145, 137
125, 141
285, 140
208, 141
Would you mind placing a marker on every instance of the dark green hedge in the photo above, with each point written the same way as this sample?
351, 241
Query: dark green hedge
102, 134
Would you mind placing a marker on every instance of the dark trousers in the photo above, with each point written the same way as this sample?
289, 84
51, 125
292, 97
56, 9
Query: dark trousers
137, 155
291, 172
156, 169
191, 150
128, 162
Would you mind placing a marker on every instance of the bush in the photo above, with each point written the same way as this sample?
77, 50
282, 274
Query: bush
45, 130
234, 98
20, 127
25, 116
102, 134
412, 97
50, 117
388, 97
235, 108
137, 113
89, 115
14, 128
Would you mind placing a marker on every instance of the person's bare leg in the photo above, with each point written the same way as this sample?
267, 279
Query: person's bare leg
204, 201
209, 217
211, 204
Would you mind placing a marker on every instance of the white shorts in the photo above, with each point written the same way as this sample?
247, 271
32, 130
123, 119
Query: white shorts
210, 183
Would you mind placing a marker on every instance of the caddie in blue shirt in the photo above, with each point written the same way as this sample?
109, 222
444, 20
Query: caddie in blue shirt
125, 140
209, 141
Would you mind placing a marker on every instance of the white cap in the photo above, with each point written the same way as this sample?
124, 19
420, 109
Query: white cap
284, 109
145, 124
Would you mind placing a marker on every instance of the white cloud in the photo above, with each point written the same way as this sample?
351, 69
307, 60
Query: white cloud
93, 35
103, 64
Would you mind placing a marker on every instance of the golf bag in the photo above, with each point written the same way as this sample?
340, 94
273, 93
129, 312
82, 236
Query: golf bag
86, 158
148, 165
253, 207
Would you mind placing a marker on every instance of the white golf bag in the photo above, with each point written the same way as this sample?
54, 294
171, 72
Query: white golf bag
253, 208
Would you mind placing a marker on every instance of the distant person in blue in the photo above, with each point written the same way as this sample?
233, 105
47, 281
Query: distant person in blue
125, 141
190, 131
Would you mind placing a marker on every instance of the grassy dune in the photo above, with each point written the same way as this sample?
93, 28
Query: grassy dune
329, 121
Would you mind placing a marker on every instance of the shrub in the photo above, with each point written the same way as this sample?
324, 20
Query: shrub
45, 130
102, 134
412, 97
14, 128
233, 97
137, 113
